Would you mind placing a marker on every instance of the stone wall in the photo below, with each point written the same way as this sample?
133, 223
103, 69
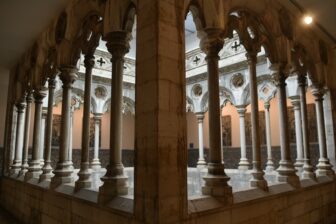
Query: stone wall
313, 203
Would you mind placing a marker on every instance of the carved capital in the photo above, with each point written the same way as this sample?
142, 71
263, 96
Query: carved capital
302, 80
39, 95
241, 109
51, 83
318, 93
200, 117
295, 100
29, 97
89, 61
118, 44
97, 117
212, 42
20, 106
267, 105
278, 74
68, 76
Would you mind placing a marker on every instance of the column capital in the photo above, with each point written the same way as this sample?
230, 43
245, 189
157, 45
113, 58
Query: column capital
97, 116
68, 75
52, 83
251, 56
39, 95
200, 116
212, 42
302, 80
241, 109
29, 97
278, 73
267, 105
89, 61
20, 106
118, 44
318, 93
295, 100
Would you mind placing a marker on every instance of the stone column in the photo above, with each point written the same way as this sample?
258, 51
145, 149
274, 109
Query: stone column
307, 172
269, 163
34, 169
95, 163
17, 162
201, 161
298, 132
72, 110
42, 138
329, 123
324, 167
84, 174
63, 171
115, 181
47, 174
243, 163
216, 179
24, 167
286, 171
257, 172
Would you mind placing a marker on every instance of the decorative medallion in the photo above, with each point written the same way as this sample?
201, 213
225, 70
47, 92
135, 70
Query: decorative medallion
197, 90
237, 80
100, 92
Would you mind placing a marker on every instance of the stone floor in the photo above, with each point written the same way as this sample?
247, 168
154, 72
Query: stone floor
239, 179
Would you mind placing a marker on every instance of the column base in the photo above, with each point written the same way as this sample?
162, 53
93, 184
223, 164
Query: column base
47, 173
113, 186
15, 169
63, 175
24, 169
287, 174
34, 170
270, 166
84, 180
308, 172
324, 169
42, 163
258, 180
95, 164
216, 183
299, 165
243, 164
201, 164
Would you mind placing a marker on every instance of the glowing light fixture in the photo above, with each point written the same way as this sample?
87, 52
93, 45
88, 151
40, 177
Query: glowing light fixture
307, 19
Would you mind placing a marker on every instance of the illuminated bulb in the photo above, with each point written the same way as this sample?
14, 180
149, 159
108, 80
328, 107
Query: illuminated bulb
308, 20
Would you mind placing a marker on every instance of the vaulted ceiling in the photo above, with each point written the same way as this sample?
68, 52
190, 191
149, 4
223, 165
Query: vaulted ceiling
22, 21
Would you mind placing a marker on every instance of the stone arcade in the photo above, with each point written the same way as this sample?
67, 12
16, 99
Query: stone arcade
186, 111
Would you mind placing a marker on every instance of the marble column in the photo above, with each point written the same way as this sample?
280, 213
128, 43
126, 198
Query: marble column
307, 172
34, 169
70, 151
270, 162
42, 138
84, 174
24, 167
216, 180
47, 174
63, 171
324, 167
257, 172
286, 171
243, 163
95, 163
201, 161
115, 181
298, 132
17, 162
